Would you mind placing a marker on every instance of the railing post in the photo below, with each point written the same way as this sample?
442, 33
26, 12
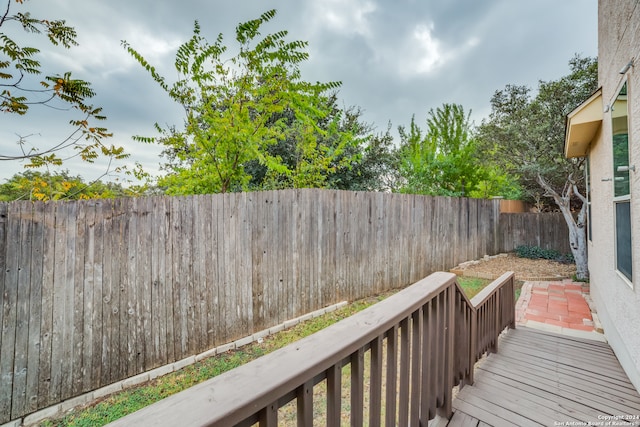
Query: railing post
305, 404
357, 388
512, 298
497, 321
473, 344
446, 410
334, 390
268, 417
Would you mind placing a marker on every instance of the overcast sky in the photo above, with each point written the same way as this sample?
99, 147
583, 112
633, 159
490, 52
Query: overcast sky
394, 59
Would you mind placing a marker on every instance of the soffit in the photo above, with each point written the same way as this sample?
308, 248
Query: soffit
582, 125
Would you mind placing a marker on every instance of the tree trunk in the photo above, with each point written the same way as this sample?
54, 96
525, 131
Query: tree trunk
576, 225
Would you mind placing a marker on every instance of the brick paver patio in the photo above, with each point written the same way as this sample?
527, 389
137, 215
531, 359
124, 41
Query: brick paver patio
560, 304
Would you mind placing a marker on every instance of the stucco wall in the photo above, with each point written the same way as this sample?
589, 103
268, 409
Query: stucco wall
617, 300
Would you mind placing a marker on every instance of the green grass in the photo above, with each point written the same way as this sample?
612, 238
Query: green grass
128, 401
472, 285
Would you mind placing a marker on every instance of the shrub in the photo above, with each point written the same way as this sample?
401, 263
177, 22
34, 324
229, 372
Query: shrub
536, 252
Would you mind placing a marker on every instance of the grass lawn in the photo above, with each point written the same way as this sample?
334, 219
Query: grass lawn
127, 401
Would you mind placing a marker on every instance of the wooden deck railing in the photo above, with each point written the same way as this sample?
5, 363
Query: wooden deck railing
421, 342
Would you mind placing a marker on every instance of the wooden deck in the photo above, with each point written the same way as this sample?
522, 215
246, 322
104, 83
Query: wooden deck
539, 378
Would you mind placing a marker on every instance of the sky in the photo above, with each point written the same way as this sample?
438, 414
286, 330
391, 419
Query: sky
394, 59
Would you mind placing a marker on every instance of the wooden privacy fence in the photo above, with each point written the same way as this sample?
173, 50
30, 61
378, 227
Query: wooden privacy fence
418, 344
96, 291
546, 230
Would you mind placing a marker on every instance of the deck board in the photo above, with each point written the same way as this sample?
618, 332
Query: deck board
540, 378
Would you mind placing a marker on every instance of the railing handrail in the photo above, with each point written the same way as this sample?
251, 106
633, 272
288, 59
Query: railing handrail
239, 394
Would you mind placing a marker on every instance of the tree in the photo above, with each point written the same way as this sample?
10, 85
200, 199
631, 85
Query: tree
443, 162
367, 163
526, 135
374, 165
36, 185
21, 89
237, 108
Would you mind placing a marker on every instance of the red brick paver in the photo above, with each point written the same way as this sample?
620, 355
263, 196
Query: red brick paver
560, 304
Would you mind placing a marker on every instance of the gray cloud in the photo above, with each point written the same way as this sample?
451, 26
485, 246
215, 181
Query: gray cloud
395, 59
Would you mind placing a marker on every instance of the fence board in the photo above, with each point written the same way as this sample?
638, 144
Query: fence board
9, 306
120, 272
4, 243
85, 263
109, 289
549, 231
128, 325
145, 243
22, 310
59, 309
46, 329
35, 308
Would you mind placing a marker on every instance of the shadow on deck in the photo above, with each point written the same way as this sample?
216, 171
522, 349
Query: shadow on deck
397, 362
541, 378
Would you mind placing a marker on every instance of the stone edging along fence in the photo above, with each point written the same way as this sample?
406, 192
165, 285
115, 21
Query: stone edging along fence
61, 408
94, 292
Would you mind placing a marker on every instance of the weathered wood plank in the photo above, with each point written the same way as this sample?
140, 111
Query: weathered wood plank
167, 324
521, 405
46, 329
564, 356
155, 354
186, 264
244, 255
460, 419
132, 308
21, 331
108, 280
202, 258
145, 243
279, 275
260, 259
35, 307
222, 334
96, 318
555, 375
558, 403
69, 359
4, 245
119, 269
490, 412
9, 309
229, 225
210, 271
58, 307
83, 307
531, 377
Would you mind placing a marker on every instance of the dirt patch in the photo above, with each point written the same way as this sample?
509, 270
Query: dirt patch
524, 268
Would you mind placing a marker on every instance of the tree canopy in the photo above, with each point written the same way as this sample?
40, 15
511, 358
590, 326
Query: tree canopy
443, 159
525, 135
239, 108
44, 186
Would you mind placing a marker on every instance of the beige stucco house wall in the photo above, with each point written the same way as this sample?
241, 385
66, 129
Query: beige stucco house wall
589, 131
